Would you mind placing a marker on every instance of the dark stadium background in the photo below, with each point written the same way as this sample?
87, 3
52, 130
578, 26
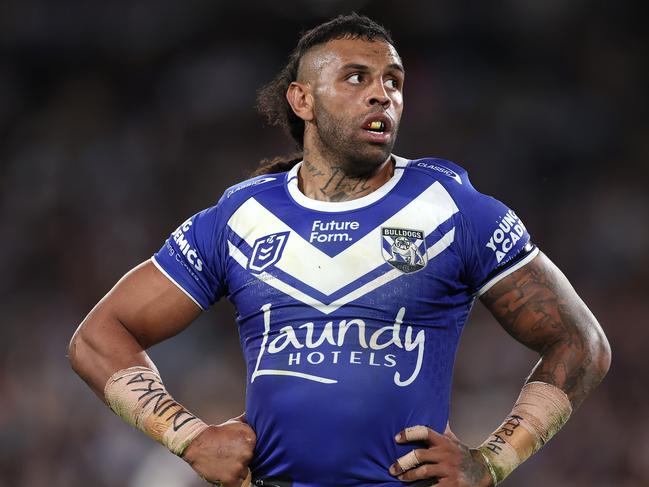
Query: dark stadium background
119, 119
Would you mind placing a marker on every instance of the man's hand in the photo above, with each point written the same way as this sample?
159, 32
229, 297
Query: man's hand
444, 460
221, 454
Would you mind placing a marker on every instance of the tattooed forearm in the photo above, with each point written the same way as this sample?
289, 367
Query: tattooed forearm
538, 307
154, 392
138, 396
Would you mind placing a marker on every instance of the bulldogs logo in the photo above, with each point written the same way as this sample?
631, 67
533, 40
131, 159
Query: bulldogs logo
404, 249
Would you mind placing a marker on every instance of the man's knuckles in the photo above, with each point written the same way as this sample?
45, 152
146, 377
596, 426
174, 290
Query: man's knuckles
235, 475
227, 442
232, 475
248, 436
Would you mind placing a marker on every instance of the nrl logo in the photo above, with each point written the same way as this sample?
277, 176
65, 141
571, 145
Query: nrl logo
267, 251
404, 249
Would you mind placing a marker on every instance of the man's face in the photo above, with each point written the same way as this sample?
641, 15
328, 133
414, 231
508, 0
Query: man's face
358, 99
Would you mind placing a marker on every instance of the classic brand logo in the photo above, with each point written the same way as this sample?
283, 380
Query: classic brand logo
444, 170
404, 249
255, 182
267, 251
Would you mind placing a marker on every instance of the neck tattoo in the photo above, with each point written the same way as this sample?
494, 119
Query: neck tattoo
333, 184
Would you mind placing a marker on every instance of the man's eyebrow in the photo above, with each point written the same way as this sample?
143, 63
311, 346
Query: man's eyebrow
362, 67
357, 67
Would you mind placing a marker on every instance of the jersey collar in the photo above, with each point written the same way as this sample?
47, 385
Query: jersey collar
337, 206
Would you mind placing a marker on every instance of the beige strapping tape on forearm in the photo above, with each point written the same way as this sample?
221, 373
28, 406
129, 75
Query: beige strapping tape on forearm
138, 396
540, 411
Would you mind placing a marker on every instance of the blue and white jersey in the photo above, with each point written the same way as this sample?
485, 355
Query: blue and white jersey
349, 313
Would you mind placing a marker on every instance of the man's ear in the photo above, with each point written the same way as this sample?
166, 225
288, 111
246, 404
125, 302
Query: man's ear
301, 100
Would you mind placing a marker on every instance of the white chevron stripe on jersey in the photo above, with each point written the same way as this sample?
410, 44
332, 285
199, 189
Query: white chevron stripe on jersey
368, 287
308, 264
316, 269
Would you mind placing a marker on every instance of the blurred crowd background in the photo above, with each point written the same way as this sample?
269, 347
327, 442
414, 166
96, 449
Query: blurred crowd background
119, 119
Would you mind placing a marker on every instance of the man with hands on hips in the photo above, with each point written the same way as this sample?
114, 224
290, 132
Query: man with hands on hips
353, 271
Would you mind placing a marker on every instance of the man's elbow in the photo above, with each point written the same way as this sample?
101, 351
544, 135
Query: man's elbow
75, 350
83, 350
604, 356
600, 355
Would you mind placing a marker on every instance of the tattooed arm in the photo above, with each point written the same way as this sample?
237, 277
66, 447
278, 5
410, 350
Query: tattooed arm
539, 308
108, 352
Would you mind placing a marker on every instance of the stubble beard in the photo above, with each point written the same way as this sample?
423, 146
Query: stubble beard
342, 149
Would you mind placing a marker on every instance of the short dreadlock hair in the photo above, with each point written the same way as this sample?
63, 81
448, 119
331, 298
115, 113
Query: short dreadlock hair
271, 99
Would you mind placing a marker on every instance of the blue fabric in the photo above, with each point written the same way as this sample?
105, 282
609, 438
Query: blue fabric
349, 320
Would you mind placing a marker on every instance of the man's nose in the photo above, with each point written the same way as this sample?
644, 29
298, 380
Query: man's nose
378, 95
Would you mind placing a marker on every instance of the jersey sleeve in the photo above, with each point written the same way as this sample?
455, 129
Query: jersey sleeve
498, 242
192, 258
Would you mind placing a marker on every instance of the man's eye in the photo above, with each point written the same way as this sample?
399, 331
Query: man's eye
355, 79
392, 83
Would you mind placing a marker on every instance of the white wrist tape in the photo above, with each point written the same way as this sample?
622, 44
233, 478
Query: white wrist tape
138, 396
540, 411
